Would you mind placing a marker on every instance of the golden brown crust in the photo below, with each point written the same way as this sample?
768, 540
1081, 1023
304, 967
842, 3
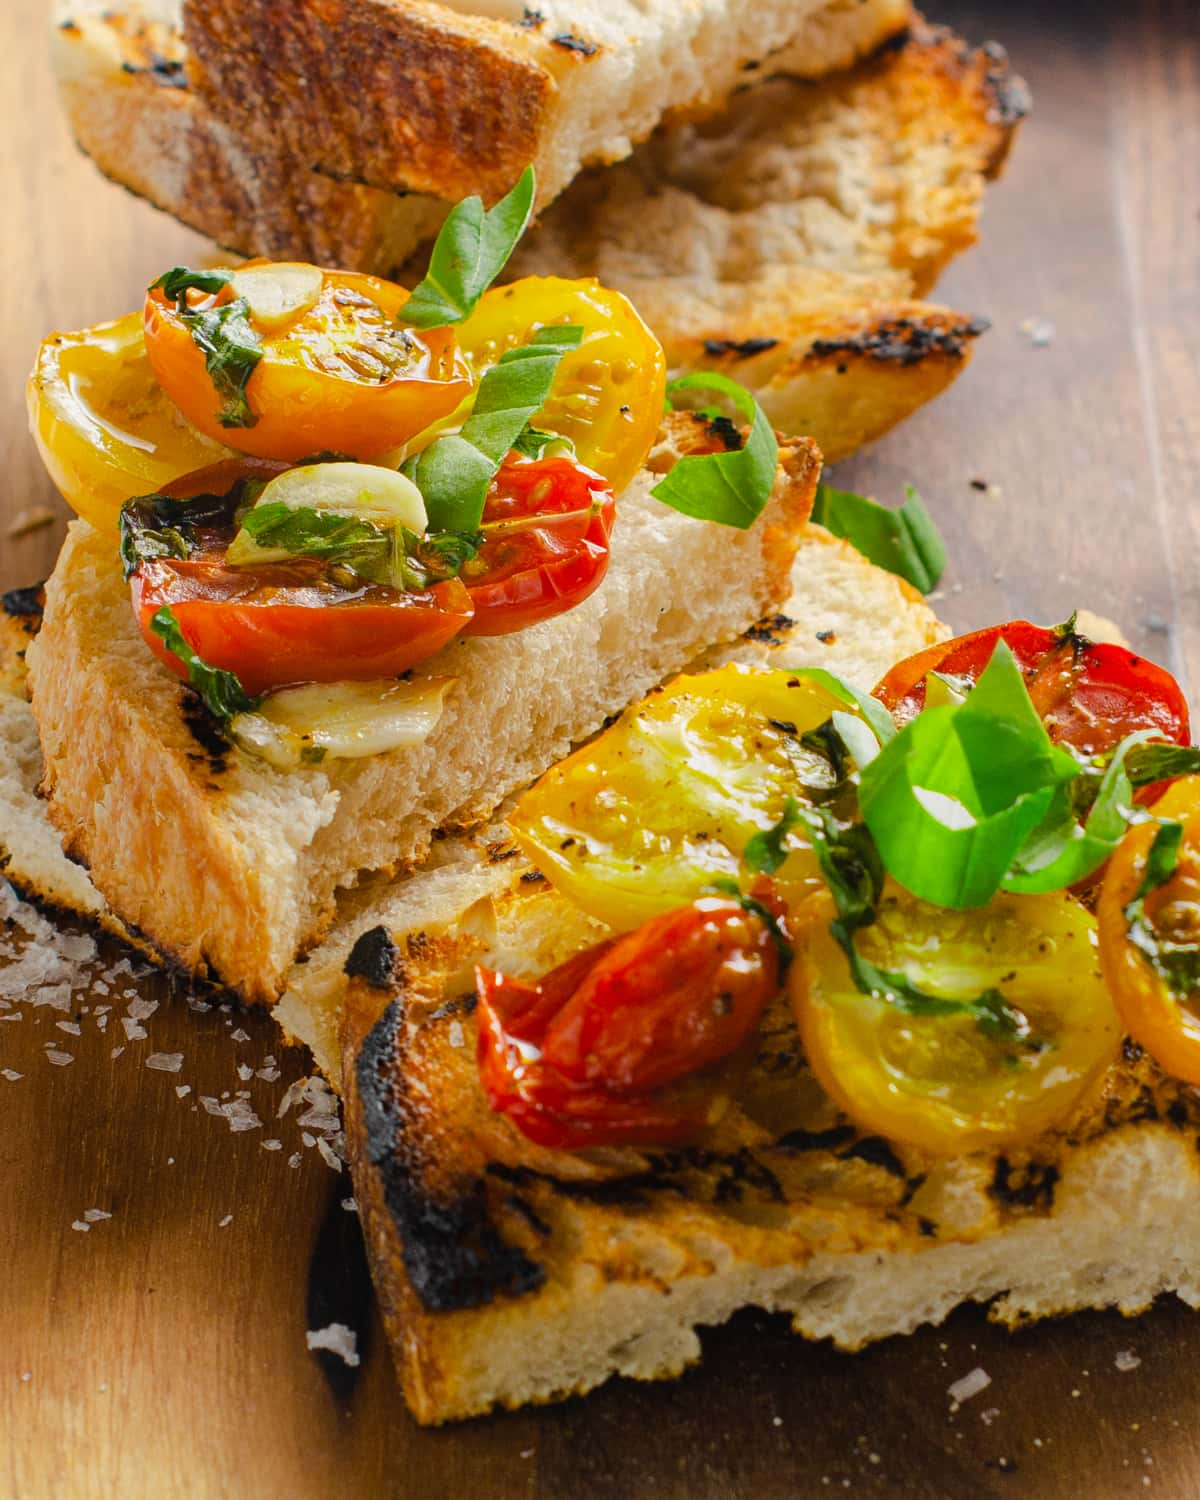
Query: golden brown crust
145, 129
404, 96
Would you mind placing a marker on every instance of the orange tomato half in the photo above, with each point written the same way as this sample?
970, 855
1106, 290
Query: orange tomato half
339, 374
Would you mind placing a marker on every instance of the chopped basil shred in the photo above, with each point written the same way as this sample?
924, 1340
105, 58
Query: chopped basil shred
472, 248
1176, 963
731, 487
454, 472
223, 334
905, 541
220, 691
154, 526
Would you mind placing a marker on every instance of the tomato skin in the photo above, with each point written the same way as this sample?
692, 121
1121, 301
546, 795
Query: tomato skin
606, 1049
1167, 1025
317, 385
608, 394
940, 1083
1090, 694
532, 573
234, 618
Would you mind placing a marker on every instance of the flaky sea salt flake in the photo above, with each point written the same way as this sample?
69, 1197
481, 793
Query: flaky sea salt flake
338, 1339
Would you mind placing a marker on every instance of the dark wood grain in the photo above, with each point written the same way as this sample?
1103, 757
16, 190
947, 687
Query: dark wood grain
165, 1352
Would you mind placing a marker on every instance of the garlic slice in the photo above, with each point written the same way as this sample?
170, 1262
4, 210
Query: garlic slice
303, 726
279, 292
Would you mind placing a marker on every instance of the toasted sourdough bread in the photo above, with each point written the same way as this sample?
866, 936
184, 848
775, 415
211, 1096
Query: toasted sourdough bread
451, 99
801, 282
230, 867
122, 73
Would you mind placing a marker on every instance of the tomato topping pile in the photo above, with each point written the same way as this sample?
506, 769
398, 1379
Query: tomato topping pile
340, 373
621, 1045
296, 621
1089, 694
546, 527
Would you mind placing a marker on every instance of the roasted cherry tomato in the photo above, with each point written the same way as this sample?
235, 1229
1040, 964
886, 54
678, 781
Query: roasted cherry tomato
287, 622
608, 393
646, 815
1090, 695
953, 1083
620, 1045
1150, 943
104, 427
546, 527
338, 370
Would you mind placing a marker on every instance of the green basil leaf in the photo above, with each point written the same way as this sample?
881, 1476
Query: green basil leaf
957, 792
733, 487
904, 541
280, 531
454, 472
766, 850
221, 692
1162, 858
472, 248
1061, 851
153, 526
868, 706
230, 346
1147, 764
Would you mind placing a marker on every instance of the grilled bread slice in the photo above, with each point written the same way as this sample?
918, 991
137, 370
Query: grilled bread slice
230, 867
510, 1273
450, 99
785, 243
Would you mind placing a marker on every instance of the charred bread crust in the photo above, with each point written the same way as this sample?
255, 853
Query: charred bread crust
787, 1215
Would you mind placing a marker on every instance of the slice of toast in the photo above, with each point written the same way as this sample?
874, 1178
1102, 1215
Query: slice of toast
510, 1273
451, 99
230, 867
122, 71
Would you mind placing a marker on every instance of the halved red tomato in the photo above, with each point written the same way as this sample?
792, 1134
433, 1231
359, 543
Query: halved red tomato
622, 1044
546, 527
1089, 694
335, 370
287, 622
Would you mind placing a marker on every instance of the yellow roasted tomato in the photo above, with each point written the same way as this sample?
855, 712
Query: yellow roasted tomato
643, 818
105, 429
1150, 940
608, 394
972, 1080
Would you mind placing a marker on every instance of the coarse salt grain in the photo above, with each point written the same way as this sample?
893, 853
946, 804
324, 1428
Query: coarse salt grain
228, 1219
116, 1051
94, 1215
80, 1225
182, 1090
337, 1339
328, 1154
245, 1072
971, 1384
141, 1010
72, 1028
239, 1035
11, 1074
294, 1159
59, 1059
1126, 1360
134, 1030
272, 1145
165, 1062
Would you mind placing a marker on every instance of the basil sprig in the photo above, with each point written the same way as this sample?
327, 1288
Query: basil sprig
154, 526
454, 472
390, 555
733, 487
953, 797
904, 541
220, 691
472, 248
223, 334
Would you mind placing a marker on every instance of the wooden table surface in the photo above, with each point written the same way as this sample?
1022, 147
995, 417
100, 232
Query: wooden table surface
161, 1351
